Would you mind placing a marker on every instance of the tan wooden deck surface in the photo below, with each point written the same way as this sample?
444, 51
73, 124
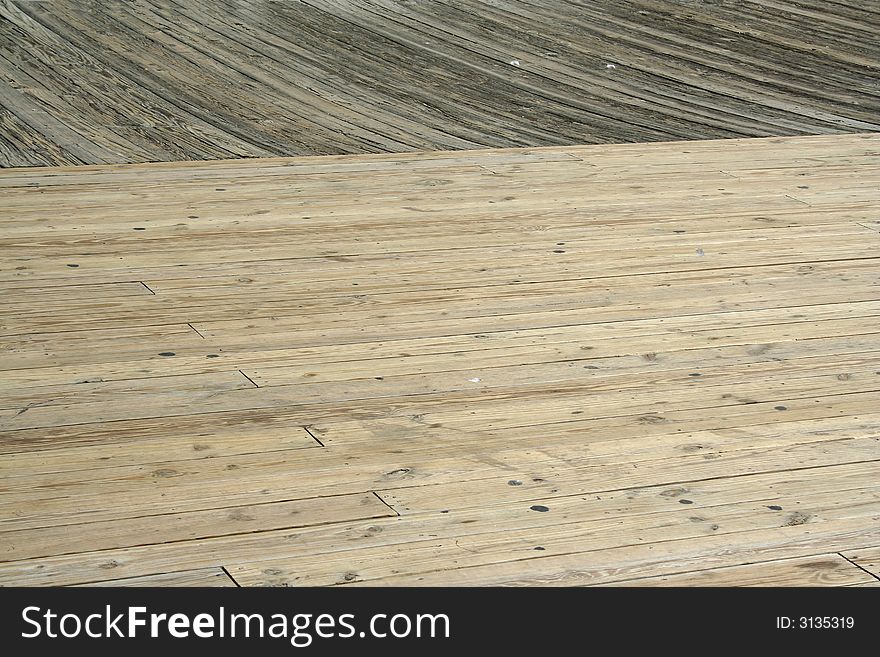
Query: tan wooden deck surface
654, 363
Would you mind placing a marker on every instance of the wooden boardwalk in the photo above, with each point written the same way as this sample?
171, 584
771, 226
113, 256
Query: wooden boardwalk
640, 364
159, 80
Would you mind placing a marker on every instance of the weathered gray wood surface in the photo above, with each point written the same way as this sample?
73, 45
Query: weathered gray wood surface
103, 82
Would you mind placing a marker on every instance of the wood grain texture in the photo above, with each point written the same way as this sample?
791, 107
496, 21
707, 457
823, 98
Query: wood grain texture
868, 559
821, 570
202, 577
621, 364
154, 80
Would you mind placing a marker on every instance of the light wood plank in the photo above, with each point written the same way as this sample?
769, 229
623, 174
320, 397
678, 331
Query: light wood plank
137, 561
92, 390
821, 570
867, 558
212, 577
170, 527
318, 402
403, 481
616, 564
511, 549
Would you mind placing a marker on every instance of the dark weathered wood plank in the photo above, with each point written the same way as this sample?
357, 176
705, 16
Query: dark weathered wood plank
164, 81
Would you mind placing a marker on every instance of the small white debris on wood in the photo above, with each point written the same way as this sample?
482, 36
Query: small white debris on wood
514, 62
700, 252
610, 65
474, 380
